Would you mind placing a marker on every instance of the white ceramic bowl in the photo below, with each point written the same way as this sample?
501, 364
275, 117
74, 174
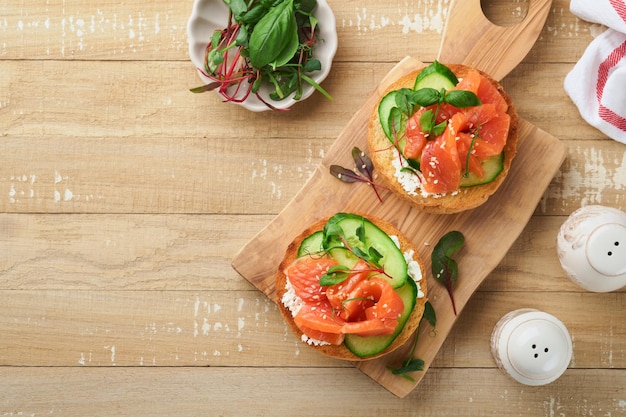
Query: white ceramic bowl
209, 15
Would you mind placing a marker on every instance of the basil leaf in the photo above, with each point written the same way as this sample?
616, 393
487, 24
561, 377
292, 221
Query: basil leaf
268, 4
273, 34
439, 128
253, 15
425, 97
291, 47
427, 120
462, 98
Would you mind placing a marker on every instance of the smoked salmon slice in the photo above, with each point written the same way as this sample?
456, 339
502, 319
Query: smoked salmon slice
472, 135
360, 304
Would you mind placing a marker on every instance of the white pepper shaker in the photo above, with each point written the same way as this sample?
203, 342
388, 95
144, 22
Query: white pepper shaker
591, 245
532, 347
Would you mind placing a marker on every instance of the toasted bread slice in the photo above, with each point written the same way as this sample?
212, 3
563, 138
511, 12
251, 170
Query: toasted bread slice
382, 155
341, 351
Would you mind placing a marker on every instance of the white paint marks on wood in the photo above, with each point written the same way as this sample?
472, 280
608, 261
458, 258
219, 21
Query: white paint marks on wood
112, 350
207, 310
74, 32
261, 171
553, 407
62, 194
589, 180
21, 187
422, 16
29, 187
562, 23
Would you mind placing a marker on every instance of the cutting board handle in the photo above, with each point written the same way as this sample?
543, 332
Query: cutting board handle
472, 39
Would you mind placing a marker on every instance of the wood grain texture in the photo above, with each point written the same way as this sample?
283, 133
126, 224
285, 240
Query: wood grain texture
124, 198
76, 30
180, 392
504, 215
470, 38
35, 102
194, 252
197, 328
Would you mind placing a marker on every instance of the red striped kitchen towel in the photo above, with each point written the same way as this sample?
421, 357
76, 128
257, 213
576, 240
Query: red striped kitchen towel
597, 83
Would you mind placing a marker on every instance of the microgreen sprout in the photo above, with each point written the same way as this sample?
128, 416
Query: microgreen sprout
365, 169
445, 269
267, 42
413, 364
335, 238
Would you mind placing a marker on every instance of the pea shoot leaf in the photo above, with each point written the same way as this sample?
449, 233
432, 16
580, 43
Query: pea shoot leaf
412, 364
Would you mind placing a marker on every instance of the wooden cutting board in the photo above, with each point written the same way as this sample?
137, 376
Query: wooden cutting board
489, 230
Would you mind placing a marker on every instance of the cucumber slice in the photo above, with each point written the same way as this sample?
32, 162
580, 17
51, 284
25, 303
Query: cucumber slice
436, 76
371, 345
395, 107
493, 167
360, 233
312, 244
436, 81
386, 107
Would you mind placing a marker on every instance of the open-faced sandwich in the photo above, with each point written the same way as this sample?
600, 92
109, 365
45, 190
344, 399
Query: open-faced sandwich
351, 287
443, 137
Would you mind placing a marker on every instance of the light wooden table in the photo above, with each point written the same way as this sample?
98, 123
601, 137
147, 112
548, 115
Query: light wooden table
124, 197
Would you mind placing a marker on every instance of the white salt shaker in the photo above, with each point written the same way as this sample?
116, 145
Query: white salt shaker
591, 245
532, 347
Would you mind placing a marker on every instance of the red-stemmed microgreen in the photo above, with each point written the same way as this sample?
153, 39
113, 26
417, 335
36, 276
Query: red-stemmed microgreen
413, 364
335, 275
265, 42
445, 269
365, 173
475, 136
